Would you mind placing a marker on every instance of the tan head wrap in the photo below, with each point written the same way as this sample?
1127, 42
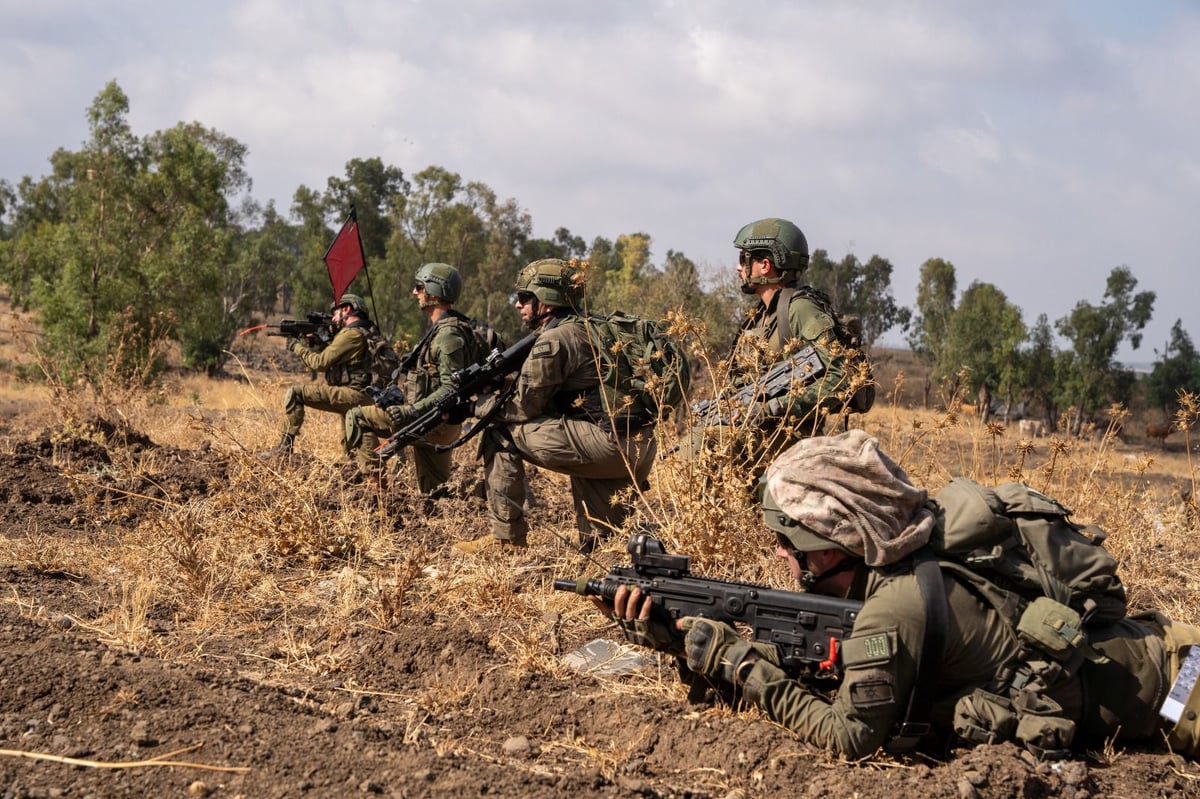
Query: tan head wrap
844, 489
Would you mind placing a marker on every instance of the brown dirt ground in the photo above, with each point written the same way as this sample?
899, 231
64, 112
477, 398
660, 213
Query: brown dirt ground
426, 707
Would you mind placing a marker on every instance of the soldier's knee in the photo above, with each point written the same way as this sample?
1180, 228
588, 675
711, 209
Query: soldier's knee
293, 400
353, 425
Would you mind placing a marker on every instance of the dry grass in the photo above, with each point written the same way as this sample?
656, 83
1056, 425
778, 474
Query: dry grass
290, 557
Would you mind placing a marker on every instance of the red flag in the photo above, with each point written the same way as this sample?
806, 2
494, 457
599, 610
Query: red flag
345, 258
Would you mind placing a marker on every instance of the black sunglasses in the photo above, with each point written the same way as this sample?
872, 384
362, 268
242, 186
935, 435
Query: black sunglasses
418, 286
523, 297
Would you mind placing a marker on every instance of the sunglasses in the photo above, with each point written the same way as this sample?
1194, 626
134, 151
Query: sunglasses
418, 286
746, 256
523, 298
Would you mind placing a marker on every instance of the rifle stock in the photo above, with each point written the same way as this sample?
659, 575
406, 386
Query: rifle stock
806, 628
456, 405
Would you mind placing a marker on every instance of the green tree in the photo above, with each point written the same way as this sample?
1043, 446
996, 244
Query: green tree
985, 333
1176, 369
371, 187
1037, 369
305, 285
862, 289
439, 220
564, 245
126, 230
930, 330
1092, 377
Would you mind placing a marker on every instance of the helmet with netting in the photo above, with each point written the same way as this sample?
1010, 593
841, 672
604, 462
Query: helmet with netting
783, 240
553, 281
442, 281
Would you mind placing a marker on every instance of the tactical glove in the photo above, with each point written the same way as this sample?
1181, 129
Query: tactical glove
293, 344
653, 634
714, 649
402, 414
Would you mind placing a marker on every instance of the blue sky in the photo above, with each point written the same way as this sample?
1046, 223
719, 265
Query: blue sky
1036, 145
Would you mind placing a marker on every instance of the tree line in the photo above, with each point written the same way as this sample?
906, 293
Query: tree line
160, 232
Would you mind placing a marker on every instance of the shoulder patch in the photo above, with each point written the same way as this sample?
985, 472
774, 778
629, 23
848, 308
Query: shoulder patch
869, 650
543, 349
871, 693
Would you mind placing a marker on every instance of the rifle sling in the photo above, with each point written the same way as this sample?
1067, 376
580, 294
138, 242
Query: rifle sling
486, 422
908, 733
783, 327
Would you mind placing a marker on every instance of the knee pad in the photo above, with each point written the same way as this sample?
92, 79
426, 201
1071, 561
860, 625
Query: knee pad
353, 428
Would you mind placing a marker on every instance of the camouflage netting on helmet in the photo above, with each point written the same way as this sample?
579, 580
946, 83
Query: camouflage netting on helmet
554, 282
844, 489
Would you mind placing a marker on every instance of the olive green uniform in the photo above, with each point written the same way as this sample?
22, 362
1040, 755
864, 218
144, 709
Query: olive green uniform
450, 347
556, 420
755, 351
346, 365
1118, 699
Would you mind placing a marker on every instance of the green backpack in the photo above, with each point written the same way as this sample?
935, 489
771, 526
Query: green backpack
644, 373
1024, 542
384, 360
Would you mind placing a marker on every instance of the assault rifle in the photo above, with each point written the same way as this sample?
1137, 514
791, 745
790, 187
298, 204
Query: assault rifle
318, 325
806, 628
803, 367
385, 397
455, 406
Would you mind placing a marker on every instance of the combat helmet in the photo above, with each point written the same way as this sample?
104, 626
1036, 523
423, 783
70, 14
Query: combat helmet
799, 537
554, 282
356, 303
785, 242
442, 282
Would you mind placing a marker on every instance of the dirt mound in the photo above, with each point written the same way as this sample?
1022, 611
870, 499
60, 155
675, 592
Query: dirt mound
405, 696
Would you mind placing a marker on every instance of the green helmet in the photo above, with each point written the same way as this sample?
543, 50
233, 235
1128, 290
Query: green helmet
356, 303
801, 538
785, 242
441, 281
554, 282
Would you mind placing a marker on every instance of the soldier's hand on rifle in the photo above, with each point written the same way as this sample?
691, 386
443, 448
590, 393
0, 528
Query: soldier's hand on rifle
402, 414
714, 649
293, 343
632, 610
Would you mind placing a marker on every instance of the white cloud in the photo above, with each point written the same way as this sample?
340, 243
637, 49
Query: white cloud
1030, 144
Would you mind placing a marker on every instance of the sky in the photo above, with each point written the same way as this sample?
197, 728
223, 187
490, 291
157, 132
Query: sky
1034, 144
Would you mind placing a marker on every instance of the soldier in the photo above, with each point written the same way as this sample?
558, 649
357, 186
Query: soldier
346, 364
850, 524
425, 375
555, 419
787, 317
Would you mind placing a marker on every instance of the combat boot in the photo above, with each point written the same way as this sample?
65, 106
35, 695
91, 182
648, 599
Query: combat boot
487, 543
282, 450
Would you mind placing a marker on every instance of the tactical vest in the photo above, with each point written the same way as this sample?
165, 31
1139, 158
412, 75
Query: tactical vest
420, 367
355, 371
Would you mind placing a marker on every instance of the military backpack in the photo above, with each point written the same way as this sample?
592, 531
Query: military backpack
1024, 541
1049, 579
383, 357
644, 372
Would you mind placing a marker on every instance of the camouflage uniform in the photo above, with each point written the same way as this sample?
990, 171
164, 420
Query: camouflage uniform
1119, 698
347, 368
452, 346
754, 352
556, 420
